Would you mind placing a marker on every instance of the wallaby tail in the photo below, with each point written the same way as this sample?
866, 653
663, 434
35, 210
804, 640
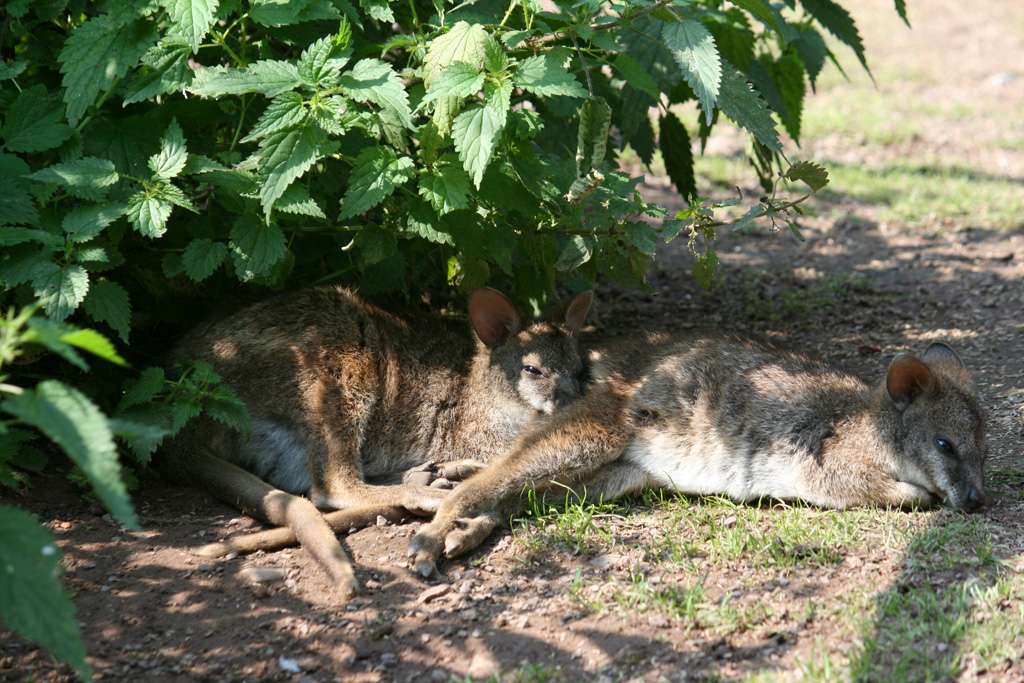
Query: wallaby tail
255, 497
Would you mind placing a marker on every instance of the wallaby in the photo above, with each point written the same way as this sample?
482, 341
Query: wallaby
737, 419
339, 393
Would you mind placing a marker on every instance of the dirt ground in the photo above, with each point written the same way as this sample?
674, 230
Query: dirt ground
664, 588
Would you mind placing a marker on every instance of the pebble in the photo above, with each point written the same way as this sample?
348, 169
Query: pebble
262, 574
289, 665
439, 676
382, 520
388, 659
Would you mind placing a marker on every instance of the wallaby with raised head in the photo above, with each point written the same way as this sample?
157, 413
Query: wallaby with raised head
736, 419
341, 394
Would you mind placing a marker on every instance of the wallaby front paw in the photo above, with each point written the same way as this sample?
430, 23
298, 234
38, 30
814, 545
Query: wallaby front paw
459, 470
423, 500
468, 534
425, 549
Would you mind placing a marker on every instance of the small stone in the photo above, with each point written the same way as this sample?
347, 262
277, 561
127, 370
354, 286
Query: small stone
433, 593
388, 659
262, 574
289, 665
439, 675
382, 520
729, 521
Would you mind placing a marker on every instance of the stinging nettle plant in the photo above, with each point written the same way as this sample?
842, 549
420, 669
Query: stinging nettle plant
156, 153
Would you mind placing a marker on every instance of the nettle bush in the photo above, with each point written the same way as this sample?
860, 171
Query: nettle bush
160, 156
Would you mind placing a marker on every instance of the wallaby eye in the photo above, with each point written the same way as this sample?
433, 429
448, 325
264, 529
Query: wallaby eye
530, 370
944, 446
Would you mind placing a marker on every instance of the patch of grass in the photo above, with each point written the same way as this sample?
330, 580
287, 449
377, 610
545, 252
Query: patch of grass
679, 601
575, 524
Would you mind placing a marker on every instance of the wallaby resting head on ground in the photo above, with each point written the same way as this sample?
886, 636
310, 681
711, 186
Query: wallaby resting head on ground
340, 393
721, 417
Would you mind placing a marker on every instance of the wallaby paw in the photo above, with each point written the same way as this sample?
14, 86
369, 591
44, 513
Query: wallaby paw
423, 500
469, 533
425, 549
421, 475
459, 470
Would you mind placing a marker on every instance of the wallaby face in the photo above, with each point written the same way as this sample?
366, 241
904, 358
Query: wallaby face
941, 425
541, 363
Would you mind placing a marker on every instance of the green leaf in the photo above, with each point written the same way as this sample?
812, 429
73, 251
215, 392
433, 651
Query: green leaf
258, 246
447, 188
422, 222
72, 421
592, 137
96, 55
745, 107
674, 143
457, 80
287, 110
809, 172
267, 77
16, 205
901, 9
223, 405
165, 70
371, 80
192, 18
33, 603
142, 437
544, 75
86, 222
377, 172
149, 214
693, 48
763, 12
94, 343
170, 160
704, 268
284, 157
475, 132
297, 200
87, 178
781, 82
107, 302
575, 253
143, 390
47, 333
643, 236
812, 50
463, 43
321, 63
634, 73
35, 122
375, 245
202, 257
839, 23
9, 70
379, 10
20, 266
62, 290
12, 236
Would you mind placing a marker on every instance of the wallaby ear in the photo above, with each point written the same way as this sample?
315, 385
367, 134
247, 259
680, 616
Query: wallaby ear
493, 316
941, 354
576, 313
907, 378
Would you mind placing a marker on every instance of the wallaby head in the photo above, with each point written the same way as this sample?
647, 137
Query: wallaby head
540, 361
940, 425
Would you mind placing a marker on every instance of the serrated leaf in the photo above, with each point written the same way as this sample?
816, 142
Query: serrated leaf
813, 51
422, 221
86, 222
458, 80
192, 18
62, 290
143, 390
674, 142
165, 70
47, 333
72, 421
94, 343
287, 110
258, 246
704, 268
781, 82
744, 106
322, 62
592, 136
149, 214
16, 205
296, 200
694, 50
34, 122
202, 257
87, 178
108, 302
763, 12
143, 438
9, 237
375, 245
642, 236
9, 70
267, 77
91, 255
170, 160
284, 157
576, 251
634, 73
544, 75
96, 55
371, 80
814, 175
901, 9
839, 23
447, 188
475, 132
377, 172
463, 43
20, 266
33, 603
379, 10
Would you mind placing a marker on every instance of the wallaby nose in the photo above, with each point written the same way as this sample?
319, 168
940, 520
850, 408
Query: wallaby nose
974, 501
